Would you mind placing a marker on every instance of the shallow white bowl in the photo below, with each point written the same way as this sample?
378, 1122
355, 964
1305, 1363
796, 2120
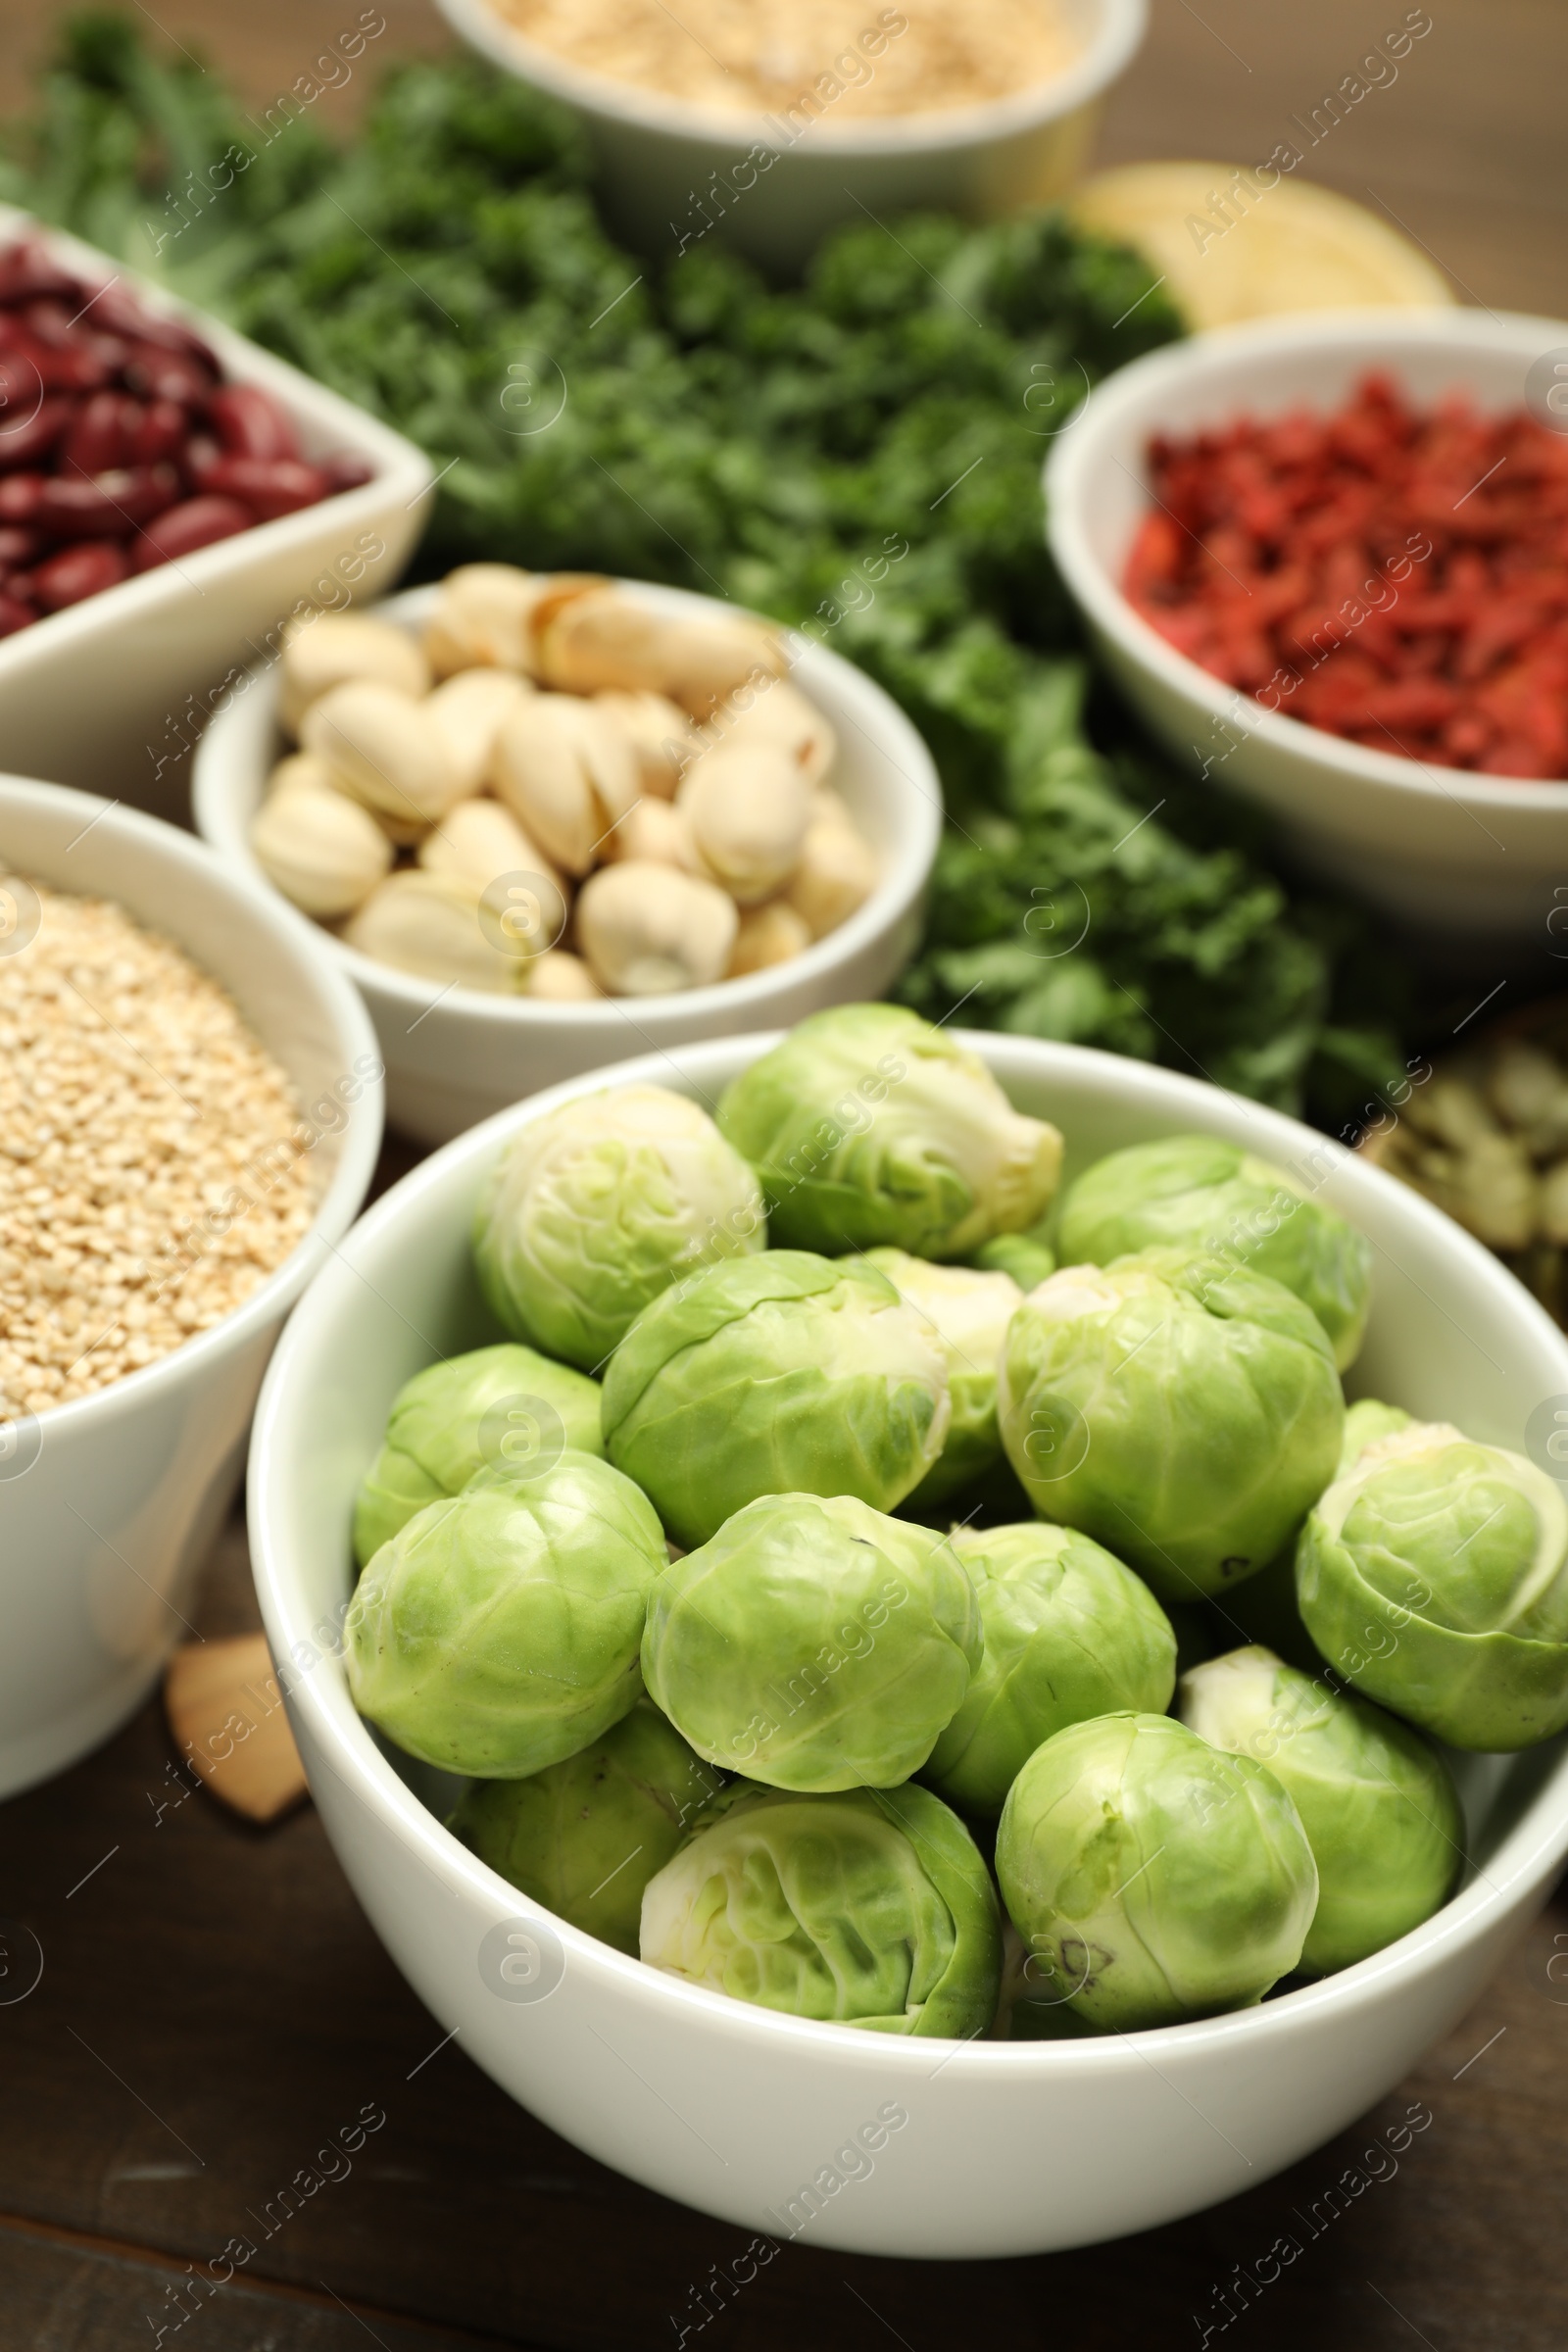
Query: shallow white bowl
667, 167
109, 1505
109, 694
1440, 848
1006, 2150
455, 1056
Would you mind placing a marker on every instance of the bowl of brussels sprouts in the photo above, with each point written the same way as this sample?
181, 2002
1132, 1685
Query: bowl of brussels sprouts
869, 1609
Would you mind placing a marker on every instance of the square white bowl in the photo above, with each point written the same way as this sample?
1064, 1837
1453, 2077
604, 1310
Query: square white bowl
1445, 850
1007, 2149
110, 693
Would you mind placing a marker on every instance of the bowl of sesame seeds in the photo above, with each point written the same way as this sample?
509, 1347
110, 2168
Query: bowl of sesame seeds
190, 1112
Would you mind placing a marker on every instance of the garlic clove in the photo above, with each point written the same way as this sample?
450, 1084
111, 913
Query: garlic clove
557, 977
430, 925
836, 874
767, 935
470, 710
386, 750
749, 807
323, 650
322, 850
647, 930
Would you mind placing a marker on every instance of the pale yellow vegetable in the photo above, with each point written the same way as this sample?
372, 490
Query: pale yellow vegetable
470, 710
609, 640
779, 713
321, 650
646, 930
655, 831
566, 772
482, 845
836, 874
767, 935
749, 807
557, 977
325, 852
663, 739
385, 749
430, 925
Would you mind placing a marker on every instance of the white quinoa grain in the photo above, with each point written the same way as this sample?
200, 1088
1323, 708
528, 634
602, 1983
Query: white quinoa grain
143, 1191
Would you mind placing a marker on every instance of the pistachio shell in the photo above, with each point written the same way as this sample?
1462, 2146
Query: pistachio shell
429, 924
566, 774
767, 935
323, 650
837, 873
385, 749
664, 741
646, 930
301, 768
749, 807
470, 710
607, 640
324, 851
655, 831
488, 615
779, 713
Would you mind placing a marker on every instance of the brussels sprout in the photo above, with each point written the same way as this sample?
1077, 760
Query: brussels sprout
599, 1208
499, 1407
871, 1908
776, 1375
584, 1837
1153, 1878
1377, 1803
869, 1125
1183, 1411
814, 1644
1069, 1632
1023, 1255
1030, 2007
499, 1630
1365, 1424
1434, 1576
1194, 1192
966, 1312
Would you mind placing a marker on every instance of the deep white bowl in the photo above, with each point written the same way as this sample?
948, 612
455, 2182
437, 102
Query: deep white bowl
1440, 848
667, 167
112, 692
455, 1056
109, 1505
1005, 2150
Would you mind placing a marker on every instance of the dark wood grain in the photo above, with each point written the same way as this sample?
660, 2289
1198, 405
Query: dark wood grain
213, 2007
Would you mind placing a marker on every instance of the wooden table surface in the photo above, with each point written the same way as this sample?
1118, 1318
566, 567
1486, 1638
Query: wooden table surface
213, 2007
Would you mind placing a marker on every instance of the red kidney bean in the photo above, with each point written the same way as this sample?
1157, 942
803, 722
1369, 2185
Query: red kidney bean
114, 312
36, 430
20, 494
77, 572
14, 615
27, 271
196, 523
272, 487
250, 423
346, 473
157, 373
17, 546
160, 432
109, 505
102, 434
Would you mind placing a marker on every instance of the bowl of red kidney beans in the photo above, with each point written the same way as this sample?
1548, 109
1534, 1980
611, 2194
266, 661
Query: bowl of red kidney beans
169, 495
1326, 556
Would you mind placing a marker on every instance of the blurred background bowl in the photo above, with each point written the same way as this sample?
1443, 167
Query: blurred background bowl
1446, 851
1008, 2149
110, 1505
455, 1056
160, 647
657, 153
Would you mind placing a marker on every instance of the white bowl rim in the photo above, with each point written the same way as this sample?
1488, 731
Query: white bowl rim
396, 460
203, 870
906, 868
354, 1759
1068, 476
1121, 29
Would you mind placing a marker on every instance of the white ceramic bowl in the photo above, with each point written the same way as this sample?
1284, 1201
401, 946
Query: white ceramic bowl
112, 692
667, 167
109, 1505
455, 1056
1006, 2150
1440, 849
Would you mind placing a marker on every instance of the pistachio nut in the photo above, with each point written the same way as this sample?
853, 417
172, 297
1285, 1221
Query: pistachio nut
606, 639
321, 650
664, 741
324, 851
557, 977
749, 807
479, 843
385, 749
646, 930
837, 873
430, 925
470, 710
568, 774
766, 935
655, 831
777, 711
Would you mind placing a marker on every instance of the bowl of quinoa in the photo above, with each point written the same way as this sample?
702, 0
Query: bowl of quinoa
190, 1112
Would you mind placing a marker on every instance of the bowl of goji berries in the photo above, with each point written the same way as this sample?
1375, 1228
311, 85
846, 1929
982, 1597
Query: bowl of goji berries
1327, 558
